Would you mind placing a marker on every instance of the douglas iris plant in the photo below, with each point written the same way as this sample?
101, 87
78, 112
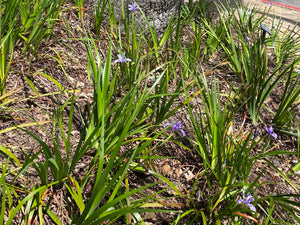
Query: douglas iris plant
122, 59
133, 7
247, 201
176, 126
271, 132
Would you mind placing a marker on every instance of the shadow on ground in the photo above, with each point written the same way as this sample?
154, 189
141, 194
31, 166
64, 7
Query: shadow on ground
290, 17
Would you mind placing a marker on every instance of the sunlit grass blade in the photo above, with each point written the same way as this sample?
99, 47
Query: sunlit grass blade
24, 125
10, 155
76, 194
20, 204
3, 192
282, 175
288, 104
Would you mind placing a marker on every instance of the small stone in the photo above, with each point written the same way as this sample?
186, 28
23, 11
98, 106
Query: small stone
166, 169
189, 175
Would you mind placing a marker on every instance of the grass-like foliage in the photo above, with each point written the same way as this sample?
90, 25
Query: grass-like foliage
188, 124
29, 21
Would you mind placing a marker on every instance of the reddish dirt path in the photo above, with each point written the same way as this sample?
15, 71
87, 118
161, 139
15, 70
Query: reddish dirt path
291, 4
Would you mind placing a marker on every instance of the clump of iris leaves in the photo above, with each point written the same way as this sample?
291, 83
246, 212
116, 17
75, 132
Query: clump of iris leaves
209, 67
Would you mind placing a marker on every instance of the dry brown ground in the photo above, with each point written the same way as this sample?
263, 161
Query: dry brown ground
182, 169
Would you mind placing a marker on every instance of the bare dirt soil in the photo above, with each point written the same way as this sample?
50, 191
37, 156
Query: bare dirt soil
182, 169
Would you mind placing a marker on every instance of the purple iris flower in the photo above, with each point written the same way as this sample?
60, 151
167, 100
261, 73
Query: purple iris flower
271, 3
247, 201
247, 39
176, 126
271, 132
133, 7
255, 133
122, 59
